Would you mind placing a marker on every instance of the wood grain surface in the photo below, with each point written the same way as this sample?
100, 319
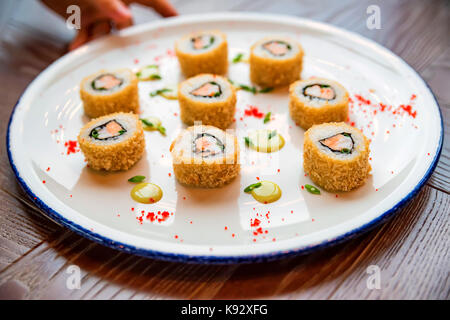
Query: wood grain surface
411, 250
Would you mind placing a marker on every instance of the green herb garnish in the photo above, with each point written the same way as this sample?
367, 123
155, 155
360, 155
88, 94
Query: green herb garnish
312, 189
248, 88
159, 91
161, 130
155, 77
272, 134
267, 117
238, 58
265, 90
147, 123
136, 179
121, 132
248, 142
152, 76
252, 186
231, 81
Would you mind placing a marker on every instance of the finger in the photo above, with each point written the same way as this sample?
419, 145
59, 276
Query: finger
116, 10
99, 29
80, 39
125, 24
163, 7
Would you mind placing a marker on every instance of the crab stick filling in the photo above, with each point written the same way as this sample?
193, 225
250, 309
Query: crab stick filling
340, 143
319, 91
202, 42
207, 145
277, 48
109, 130
207, 90
106, 82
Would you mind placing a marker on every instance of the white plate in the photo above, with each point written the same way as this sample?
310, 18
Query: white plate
404, 149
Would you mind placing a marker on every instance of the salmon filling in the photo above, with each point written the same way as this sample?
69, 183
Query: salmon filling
109, 130
106, 82
319, 91
208, 90
207, 145
339, 143
277, 48
202, 42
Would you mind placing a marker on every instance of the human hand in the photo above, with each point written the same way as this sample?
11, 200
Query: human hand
97, 16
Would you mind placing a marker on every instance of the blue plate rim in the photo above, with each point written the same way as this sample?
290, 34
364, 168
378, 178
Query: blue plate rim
211, 259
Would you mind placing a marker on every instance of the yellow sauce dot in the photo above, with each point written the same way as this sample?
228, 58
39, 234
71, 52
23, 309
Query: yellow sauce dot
266, 141
146, 193
266, 193
153, 120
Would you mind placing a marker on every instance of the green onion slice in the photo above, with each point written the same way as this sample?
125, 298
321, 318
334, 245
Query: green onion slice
252, 186
137, 179
312, 189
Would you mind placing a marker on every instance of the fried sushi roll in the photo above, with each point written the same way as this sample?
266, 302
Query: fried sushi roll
205, 156
112, 142
316, 101
275, 61
107, 92
208, 98
203, 52
336, 156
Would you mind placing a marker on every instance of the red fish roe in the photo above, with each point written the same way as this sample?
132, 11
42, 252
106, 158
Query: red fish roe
71, 146
362, 99
253, 111
408, 110
255, 223
152, 216
400, 110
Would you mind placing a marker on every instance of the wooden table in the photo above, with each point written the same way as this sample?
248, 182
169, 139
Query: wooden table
411, 250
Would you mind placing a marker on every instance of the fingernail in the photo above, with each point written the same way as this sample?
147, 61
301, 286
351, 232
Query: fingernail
123, 12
